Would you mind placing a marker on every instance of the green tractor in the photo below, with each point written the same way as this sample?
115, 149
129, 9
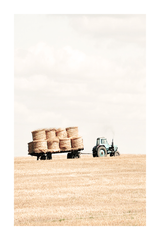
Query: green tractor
102, 148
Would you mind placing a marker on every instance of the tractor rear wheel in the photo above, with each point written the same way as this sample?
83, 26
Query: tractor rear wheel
102, 152
94, 153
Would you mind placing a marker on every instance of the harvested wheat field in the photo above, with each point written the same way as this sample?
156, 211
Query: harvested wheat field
80, 192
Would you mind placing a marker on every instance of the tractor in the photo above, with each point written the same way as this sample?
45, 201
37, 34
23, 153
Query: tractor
102, 148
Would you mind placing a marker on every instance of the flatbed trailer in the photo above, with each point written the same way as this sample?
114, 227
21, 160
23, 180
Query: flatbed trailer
47, 154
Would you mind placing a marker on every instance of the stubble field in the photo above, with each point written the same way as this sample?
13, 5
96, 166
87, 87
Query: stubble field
80, 192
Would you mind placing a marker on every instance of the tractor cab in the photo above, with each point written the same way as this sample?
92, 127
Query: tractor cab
103, 148
102, 141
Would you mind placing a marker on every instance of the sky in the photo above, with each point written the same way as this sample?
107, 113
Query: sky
81, 70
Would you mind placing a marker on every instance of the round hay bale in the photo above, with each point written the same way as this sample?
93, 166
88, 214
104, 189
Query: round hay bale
39, 146
39, 135
77, 142
65, 143
53, 144
50, 133
30, 147
72, 132
61, 133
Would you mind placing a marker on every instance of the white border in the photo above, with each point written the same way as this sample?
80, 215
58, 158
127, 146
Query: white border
8, 9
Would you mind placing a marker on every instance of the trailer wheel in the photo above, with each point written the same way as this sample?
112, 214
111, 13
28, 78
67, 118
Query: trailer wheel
43, 157
69, 155
102, 152
49, 155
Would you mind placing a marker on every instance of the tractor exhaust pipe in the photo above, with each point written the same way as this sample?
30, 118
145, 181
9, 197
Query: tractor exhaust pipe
112, 143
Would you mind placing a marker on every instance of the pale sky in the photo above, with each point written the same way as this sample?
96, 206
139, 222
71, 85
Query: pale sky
81, 70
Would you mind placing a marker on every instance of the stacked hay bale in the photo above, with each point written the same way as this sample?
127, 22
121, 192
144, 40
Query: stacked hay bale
77, 142
61, 133
53, 145
52, 140
55, 140
40, 146
39, 141
65, 144
30, 147
38, 135
50, 133
72, 132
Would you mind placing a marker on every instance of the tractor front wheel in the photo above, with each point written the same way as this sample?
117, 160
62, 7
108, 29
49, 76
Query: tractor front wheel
102, 152
116, 153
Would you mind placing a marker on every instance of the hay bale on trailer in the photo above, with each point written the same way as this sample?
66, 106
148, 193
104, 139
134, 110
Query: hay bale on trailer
50, 133
72, 132
61, 133
50, 140
65, 144
53, 144
77, 142
39, 135
30, 147
40, 146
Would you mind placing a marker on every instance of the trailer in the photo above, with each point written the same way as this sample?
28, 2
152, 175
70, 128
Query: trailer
47, 154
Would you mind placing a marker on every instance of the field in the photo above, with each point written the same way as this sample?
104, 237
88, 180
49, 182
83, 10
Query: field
80, 192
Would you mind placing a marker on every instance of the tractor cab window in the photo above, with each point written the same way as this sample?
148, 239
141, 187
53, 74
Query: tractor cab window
103, 141
98, 141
